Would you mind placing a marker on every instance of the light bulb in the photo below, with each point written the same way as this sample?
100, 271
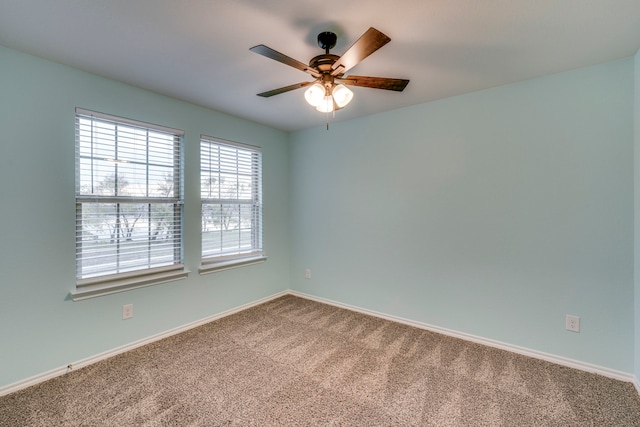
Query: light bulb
326, 105
314, 94
342, 95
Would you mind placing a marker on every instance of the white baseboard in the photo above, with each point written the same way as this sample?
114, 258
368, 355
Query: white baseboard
610, 373
623, 376
110, 353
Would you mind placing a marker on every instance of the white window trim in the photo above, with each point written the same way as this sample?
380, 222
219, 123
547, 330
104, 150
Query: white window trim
125, 120
212, 265
114, 283
226, 262
109, 284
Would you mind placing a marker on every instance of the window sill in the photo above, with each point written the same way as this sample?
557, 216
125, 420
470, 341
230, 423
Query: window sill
91, 288
227, 264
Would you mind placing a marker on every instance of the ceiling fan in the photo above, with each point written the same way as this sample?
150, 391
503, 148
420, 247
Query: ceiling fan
328, 91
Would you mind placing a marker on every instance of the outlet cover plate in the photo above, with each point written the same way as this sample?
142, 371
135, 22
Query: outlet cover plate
127, 311
573, 323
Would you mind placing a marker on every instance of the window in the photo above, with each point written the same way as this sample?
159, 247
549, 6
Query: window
128, 204
231, 193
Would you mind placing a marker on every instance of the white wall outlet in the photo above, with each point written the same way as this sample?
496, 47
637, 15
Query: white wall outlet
572, 323
307, 273
127, 311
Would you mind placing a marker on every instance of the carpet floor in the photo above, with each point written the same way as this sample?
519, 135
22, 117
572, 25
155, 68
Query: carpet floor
296, 362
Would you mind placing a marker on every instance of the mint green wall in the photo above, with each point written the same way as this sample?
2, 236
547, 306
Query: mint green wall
494, 213
41, 329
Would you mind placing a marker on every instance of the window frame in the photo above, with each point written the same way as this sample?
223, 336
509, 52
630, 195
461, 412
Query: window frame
104, 283
256, 254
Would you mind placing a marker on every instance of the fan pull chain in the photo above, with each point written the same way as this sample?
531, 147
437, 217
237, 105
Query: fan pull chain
334, 116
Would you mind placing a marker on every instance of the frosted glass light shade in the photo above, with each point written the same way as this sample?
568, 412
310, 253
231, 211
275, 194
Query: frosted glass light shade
326, 105
314, 94
342, 95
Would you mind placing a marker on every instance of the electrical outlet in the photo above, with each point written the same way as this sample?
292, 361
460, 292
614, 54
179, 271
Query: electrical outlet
307, 273
127, 311
572, 323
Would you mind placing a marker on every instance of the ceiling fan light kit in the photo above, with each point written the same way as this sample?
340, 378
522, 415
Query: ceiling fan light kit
327, 100
328, 92
341, 95
315, 94
326, 105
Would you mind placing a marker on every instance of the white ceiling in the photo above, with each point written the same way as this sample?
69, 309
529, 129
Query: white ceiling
198, 50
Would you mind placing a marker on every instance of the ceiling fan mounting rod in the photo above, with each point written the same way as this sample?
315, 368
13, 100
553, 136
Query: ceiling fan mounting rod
327, 40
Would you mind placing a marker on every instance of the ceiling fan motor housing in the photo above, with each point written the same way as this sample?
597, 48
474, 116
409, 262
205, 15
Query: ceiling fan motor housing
323, 63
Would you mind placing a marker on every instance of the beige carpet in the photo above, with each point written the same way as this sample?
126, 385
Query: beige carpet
293, 362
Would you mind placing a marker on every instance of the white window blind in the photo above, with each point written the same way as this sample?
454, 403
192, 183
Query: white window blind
128, 198
231, 193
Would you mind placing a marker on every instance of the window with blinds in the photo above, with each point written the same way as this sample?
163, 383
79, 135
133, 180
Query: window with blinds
128, 200
231, 194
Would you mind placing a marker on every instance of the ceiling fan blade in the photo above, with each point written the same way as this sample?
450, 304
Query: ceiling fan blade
281, 57
375, 82
368, 43
284, 89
